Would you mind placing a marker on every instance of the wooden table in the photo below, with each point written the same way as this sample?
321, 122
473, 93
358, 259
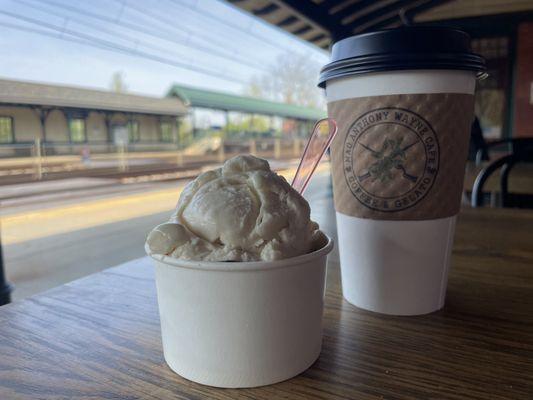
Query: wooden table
99, 338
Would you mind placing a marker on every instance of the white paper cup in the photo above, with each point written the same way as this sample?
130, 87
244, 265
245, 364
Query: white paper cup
403, 101
241, 324
387, 266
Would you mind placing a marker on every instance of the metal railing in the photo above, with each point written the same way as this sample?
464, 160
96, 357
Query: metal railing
38, 159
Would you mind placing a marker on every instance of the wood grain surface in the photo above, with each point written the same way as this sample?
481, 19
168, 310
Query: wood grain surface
99, 337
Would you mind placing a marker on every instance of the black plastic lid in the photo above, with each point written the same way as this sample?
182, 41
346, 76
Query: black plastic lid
410, 47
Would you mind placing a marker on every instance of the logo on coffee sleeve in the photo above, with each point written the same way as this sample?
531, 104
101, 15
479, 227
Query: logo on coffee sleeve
390, 159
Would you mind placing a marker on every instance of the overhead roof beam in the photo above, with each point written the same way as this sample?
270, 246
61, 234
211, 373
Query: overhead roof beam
489, 25
287, 21
408, 14
266, 10
391, 10
318, 15
316, 38
362, 7
302, 30
336, 6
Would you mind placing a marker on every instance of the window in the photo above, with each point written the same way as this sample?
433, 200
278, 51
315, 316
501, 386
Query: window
492, 93
6, 130
77, 130
166, 132
133, 131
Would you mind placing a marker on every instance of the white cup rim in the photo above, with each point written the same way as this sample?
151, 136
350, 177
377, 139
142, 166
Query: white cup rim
242, 266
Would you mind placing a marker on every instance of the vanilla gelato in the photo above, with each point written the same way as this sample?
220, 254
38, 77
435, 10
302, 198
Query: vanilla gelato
242, 211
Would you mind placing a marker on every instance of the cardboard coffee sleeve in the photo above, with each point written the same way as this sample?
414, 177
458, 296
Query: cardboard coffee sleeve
400, 157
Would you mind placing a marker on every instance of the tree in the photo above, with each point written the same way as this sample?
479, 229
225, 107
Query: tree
249, 126
292, 79
117, 83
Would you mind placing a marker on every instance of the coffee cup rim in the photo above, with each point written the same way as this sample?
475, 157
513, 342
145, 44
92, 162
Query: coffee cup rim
406, 48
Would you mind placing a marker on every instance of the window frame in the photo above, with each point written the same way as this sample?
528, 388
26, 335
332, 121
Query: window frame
13, 140
161, 138
72, 119
131, 136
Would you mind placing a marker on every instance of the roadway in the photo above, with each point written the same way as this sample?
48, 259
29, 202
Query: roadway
54, 240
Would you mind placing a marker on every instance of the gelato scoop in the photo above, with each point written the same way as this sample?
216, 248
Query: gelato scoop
242, 211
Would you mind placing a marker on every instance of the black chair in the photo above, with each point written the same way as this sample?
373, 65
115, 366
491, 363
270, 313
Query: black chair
522, 152
477, 148
512, 146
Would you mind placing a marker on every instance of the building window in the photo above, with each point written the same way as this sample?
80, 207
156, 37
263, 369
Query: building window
166, 132
77, 130
6, 130
133, 131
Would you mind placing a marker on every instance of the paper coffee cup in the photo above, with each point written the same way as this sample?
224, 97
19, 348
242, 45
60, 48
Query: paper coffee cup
403, 100
241, 324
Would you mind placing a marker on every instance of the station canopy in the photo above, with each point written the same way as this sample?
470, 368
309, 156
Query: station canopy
195, 97
23, 93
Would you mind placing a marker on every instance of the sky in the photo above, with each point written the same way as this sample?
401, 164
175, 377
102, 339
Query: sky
154, 43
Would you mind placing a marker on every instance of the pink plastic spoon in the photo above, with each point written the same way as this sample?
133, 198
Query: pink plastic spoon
323, 133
